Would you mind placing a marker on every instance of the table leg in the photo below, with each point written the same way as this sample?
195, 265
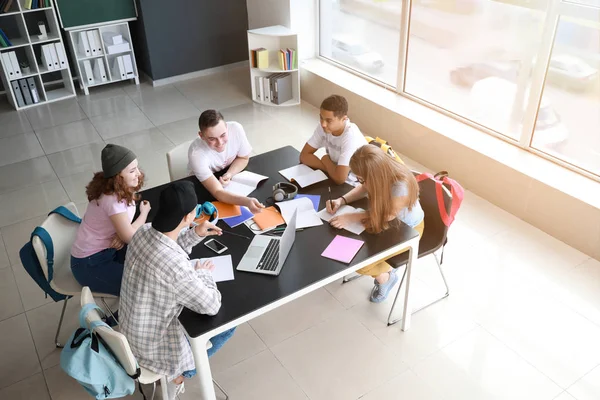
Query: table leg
407, 314
204, 375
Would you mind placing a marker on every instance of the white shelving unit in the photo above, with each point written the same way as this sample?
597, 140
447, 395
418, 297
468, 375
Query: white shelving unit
108, 59
28, 47
273, 38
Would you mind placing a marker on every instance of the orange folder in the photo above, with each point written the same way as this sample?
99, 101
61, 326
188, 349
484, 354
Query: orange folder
268, 218
227, 210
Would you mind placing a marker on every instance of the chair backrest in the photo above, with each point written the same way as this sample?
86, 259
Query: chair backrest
116, 341
435, 232
177, 160
63, 233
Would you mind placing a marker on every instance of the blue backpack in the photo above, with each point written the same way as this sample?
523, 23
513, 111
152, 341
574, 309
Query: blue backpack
32, 264
87, 359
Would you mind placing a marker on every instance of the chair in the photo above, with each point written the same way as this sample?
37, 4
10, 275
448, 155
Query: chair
434, 238
177, 160
119, 346
62, 233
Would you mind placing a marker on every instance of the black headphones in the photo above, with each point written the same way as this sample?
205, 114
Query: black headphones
284, 191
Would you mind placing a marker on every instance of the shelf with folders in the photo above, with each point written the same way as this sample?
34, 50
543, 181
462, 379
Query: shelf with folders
103, 55
35, 42
273, 61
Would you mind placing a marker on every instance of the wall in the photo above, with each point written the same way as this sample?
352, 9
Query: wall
188, 36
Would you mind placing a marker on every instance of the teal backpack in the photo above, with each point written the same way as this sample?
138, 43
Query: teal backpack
86, 359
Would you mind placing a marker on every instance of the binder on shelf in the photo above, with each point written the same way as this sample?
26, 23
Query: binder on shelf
7, 66
15, 64
119, 68
266, 89
87, 70
25, 91
47, 58
97, 42
99, 71
282, 88
60, 52
84, 45
53, 56
257, 86
33, 90
128, 65
17, 92
92, 42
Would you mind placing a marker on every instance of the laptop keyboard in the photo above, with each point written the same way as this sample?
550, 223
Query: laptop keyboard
270, 257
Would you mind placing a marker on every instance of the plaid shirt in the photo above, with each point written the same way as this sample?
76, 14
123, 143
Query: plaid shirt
158, 281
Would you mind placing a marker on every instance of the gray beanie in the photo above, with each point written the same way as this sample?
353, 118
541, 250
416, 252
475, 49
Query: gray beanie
115, 158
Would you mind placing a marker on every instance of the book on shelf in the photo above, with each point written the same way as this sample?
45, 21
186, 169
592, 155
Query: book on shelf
288, 59
4, 41
259, 58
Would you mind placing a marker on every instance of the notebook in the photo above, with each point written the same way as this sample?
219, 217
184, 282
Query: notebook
235, 221
357, 228
303, 175
223, 267
244, 183
342, 249
227, 210
268, 218
307, 216
315, 198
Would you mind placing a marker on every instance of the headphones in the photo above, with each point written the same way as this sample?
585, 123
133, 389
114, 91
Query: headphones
207, 208
284, 191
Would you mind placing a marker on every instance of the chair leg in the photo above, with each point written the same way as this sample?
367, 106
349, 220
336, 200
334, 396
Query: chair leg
350, 278
221, 389
437, 261
163, 388
153, 390
60, 321
109, 310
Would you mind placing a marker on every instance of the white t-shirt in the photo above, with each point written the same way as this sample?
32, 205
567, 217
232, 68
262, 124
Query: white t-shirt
412, 217
204, 161
340, 148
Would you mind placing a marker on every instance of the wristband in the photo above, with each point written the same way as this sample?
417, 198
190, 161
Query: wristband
343, 198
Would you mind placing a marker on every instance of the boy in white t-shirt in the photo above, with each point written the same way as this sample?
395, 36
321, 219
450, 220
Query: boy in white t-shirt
220, 145
339, 136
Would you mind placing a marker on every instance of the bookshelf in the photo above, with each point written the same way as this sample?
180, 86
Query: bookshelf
20, 26
273, 38
107, 54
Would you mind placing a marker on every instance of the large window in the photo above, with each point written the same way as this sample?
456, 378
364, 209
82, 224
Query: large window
525, 69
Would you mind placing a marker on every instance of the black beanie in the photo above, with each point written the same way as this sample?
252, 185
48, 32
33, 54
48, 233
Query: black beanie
115, 158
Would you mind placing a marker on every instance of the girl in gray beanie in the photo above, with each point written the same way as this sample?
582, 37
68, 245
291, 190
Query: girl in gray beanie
98, 254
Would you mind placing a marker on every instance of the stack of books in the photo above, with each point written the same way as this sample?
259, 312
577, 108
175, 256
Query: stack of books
259, 58
288, 59
5, 5
33, 4
4, 42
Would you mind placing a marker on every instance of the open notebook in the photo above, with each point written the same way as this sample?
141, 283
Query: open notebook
306, 217
244, 183
357, 228
303, 175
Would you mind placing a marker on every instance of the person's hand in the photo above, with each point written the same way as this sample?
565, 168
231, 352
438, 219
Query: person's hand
341, 221
225, 179
333, 205
116, 242
205, 228
254, 205
207, 264
145, 207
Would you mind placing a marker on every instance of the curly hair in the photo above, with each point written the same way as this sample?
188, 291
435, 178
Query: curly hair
100, 185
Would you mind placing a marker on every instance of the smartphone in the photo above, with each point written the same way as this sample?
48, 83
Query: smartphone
215, 246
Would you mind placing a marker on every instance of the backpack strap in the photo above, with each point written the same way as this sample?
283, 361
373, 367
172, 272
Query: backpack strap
65, 212
47, 240
84, 312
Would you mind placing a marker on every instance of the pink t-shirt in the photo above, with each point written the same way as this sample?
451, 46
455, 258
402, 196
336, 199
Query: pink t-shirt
96, 230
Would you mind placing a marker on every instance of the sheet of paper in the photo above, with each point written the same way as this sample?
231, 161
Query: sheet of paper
239, 188
310, 179
315, 198
295, 171
342, 249
223, 268
249, 178
306, 217
357, 228
235, 221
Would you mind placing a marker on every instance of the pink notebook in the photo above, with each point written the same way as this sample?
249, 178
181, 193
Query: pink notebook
342, 249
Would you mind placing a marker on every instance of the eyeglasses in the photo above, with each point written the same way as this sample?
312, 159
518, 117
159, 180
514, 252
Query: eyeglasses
360, 180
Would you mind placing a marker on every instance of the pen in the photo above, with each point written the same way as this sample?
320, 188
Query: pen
330, 203
235, 234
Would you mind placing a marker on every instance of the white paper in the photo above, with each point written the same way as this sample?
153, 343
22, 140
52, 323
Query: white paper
223, 267
244, 183
306, 217
303, 175
357, 228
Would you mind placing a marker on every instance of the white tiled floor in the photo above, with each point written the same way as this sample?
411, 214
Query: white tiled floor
522, 320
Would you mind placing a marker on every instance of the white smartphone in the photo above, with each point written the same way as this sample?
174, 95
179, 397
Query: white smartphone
215, 246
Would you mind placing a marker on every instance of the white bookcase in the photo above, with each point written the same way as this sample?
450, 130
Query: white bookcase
104, 55
273, 38
28, 47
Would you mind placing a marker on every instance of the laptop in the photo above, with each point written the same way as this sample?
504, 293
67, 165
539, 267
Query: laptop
267, 254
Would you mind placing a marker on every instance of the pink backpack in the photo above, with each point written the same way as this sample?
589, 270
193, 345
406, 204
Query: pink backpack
457, 191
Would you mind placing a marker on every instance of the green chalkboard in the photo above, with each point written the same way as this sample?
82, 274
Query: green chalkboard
76, 13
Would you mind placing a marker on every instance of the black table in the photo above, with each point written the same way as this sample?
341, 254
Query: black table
249, 294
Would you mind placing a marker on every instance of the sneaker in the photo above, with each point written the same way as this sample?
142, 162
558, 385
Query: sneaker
381, 290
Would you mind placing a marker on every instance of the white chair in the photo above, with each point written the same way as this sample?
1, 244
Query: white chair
63, 233
118, 344
177, 160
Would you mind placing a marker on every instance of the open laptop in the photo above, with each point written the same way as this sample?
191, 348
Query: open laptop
267, 254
